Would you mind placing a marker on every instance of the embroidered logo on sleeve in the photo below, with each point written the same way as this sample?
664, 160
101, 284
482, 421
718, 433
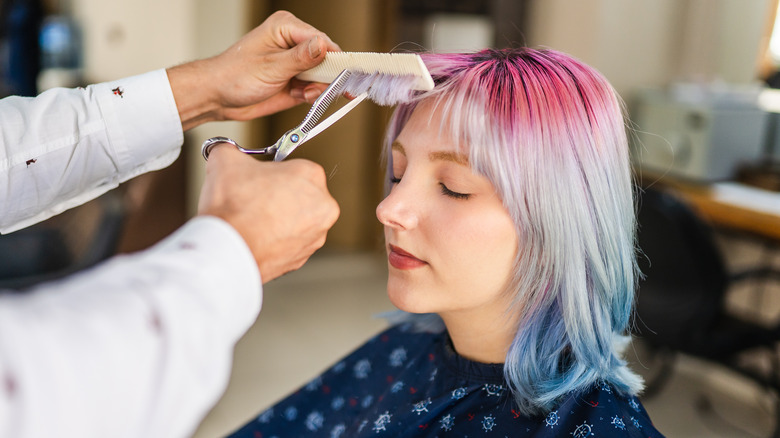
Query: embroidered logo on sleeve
119, 91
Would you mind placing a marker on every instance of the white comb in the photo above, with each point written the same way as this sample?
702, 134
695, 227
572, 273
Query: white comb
388, 78
368, 63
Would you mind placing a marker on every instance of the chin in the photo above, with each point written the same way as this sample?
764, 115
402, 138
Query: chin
405, 298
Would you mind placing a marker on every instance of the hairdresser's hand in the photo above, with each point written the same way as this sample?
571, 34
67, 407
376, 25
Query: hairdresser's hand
282, 210
254, 77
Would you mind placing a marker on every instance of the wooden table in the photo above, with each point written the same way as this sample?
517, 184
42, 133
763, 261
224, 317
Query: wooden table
721, 211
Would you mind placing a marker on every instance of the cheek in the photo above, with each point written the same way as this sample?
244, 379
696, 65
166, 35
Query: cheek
482, 248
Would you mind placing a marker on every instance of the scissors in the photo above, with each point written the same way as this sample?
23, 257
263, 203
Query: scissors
304, 132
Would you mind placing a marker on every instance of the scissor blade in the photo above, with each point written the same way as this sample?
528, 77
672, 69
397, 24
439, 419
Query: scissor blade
333, 118
286, 146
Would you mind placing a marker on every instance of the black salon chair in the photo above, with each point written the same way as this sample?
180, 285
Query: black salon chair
67, 243
681, 301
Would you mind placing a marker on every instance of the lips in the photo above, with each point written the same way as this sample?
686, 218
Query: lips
401, 259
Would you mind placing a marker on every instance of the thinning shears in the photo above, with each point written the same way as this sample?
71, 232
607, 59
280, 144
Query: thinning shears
304, 132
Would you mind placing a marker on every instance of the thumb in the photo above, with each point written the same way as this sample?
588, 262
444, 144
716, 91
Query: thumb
304, 56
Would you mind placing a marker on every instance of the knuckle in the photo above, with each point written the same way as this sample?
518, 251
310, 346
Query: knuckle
283, 15
311, 170
299, 55
317, 244
299, 263
335, 211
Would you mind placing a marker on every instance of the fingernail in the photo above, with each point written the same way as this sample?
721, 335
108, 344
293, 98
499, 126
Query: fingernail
297, 93
311, 94
314, 47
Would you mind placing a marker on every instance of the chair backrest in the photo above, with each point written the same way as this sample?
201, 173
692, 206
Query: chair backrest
681, 295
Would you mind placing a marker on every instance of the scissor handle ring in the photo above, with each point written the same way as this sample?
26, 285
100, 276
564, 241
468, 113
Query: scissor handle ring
210, 143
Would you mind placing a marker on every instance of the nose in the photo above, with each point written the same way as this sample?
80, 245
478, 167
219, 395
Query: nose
397, 210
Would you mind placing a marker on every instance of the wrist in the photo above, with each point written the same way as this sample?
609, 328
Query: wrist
193, 91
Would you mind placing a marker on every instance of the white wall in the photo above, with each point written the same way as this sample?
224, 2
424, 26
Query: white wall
653, 42
123, 38
217, 25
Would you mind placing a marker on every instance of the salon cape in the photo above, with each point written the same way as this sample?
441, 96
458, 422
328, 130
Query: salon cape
140, 346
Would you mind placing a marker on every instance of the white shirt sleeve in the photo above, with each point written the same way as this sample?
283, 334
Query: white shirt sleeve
140, 346
68, 146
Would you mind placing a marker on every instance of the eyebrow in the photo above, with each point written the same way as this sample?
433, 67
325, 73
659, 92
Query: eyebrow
436, 155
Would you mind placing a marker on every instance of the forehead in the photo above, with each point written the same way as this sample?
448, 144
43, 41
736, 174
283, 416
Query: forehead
427, 130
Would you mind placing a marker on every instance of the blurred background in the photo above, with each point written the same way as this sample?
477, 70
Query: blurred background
697, 77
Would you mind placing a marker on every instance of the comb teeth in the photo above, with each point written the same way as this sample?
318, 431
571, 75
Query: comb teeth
370, 63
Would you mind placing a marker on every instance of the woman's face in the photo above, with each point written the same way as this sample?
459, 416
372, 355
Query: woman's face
451, 243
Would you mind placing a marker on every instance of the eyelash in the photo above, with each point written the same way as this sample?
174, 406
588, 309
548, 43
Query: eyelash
447, 192
444, 190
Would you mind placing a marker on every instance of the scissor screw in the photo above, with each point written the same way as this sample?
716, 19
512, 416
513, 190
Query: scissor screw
294, 138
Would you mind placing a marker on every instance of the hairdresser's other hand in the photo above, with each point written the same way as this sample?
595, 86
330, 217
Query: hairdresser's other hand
282, 210
255, 76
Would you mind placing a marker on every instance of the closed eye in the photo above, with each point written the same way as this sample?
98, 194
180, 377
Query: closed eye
447, 192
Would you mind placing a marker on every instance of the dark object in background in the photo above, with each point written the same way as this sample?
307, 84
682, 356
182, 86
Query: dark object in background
70, 242
681, 302
61, 52
20, 22
764, 175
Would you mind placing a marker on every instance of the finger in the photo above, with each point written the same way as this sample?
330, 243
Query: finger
310, 170
306, 91
310, 53
222, 153
294, 31
288, 63
313, 91
280, 101
298, 36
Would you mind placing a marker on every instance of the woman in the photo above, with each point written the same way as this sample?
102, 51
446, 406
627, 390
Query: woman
510, 236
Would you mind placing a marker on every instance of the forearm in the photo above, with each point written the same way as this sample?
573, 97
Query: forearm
192, 85
141, 346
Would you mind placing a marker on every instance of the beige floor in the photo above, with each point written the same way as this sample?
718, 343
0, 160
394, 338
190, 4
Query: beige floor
312, 317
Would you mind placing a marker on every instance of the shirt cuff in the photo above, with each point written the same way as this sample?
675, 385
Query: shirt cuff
143, 122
